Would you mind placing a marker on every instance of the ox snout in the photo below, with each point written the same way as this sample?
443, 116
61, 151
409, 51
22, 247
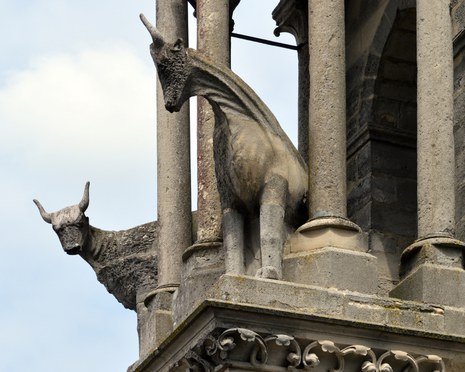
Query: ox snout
72, 239
171, 106
73, 250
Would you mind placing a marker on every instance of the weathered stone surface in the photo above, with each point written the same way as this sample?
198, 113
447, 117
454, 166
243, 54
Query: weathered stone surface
272, 185
331, 267
211, 15
154, 321
327, 110
435, 119
173, 161
125, 261
346, 296
434, 284
233, 337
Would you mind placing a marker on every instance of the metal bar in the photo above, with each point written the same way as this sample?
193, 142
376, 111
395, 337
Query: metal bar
267, 42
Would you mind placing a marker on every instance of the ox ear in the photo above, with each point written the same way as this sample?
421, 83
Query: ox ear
84, 203
47, 217
178, 45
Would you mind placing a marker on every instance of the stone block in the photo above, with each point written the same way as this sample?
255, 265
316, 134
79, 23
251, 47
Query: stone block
154, 321
434, 284
408, 117
397, 91
387, 112
454, 323
401, 44
203, 265
393, 220
401, 71
384, 189
359, 194
331, 267
393, 160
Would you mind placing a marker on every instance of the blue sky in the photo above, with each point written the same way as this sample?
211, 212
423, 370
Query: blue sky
77, 103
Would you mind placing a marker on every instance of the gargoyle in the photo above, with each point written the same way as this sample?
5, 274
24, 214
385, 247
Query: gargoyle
125, 261
258, 169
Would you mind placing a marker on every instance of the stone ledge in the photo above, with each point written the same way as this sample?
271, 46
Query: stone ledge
192, 341
345, 317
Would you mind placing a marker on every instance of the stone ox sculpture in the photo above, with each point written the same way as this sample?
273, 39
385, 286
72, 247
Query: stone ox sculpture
258, 169
125, 261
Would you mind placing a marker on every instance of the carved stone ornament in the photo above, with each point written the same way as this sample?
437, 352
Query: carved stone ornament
260, 173
247, 350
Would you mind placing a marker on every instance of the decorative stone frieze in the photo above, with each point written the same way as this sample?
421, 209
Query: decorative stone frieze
245, 349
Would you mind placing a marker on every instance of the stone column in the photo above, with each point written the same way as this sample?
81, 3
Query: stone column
292, 16
337, 245
435, 260
436, 196
213, 39
174, 191
203, 261
327, 130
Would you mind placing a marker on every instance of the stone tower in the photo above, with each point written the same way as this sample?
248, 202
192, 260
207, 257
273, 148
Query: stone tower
373, 278
344, 255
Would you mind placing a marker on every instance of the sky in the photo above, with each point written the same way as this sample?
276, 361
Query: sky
77, 104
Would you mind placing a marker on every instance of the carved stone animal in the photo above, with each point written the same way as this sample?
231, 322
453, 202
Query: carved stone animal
125, 261
258, 169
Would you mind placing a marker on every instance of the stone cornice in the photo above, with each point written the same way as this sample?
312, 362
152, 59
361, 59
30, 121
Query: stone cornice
257, 338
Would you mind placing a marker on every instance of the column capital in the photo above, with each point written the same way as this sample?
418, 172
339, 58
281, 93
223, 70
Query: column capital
292, 16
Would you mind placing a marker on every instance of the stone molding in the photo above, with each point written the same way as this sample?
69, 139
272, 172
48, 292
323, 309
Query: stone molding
245, 349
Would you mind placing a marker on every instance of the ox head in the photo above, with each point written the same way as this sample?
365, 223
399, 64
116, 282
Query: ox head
172, 66
70, 224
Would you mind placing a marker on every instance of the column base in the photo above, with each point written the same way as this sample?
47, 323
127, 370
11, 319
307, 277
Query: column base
331, 231
432, 272
327, 252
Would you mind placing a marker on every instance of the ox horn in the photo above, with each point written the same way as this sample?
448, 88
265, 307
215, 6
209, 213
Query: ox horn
157, 38
47, 217
84, 203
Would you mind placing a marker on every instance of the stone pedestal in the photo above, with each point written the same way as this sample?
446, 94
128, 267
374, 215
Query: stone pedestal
432, 272
326, 252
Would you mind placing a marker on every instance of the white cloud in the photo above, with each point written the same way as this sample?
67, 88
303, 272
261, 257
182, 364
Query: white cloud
69, 118
65, 119
70, 107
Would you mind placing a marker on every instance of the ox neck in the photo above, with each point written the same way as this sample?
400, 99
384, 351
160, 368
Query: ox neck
225, 91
